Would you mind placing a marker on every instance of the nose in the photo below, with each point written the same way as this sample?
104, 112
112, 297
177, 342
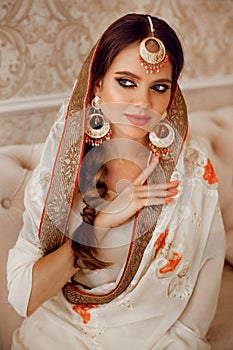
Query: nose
143, 99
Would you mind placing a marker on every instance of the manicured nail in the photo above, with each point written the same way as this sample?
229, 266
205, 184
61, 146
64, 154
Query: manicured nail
175, 182
169, 199
174, 191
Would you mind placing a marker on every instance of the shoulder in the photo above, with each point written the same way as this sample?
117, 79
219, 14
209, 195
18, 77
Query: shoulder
200, 162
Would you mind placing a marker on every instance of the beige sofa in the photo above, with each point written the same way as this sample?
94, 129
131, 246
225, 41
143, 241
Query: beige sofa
17, 162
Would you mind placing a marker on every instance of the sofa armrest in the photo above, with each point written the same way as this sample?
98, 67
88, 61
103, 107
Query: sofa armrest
16, 165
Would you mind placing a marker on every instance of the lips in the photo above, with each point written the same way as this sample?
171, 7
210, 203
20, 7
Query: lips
138, 120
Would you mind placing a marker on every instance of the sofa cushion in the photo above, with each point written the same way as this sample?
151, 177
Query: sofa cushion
215, 131
16, 164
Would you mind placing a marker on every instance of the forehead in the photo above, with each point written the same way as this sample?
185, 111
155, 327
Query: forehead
128, 60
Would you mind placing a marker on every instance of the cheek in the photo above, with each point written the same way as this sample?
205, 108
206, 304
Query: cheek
112, 95
112, 92
108, 92
161, 103
167, 100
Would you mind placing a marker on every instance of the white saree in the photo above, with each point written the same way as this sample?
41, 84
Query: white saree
161, 291
172, 298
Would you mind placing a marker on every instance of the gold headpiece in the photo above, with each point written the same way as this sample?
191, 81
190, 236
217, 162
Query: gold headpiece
152, 52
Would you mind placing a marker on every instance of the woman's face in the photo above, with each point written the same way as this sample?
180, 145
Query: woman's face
133, 100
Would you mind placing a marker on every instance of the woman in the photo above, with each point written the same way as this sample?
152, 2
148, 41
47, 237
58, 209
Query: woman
122, 244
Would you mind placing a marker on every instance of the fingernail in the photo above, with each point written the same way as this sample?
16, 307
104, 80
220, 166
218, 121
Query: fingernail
174, 191
169, 199
175, 182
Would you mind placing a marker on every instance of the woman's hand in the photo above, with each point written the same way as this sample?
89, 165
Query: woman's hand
57, 267
132, 199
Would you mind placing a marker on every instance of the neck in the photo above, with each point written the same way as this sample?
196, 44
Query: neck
125, 149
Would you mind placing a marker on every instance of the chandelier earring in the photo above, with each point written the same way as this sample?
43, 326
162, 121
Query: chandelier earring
162, 139
97, 125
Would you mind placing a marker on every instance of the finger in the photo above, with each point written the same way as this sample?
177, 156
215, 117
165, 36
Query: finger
173, 184
145, 173
146, 193
169, 186
164, 186
156, 201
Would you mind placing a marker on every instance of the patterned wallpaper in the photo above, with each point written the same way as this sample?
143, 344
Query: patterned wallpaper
43, 42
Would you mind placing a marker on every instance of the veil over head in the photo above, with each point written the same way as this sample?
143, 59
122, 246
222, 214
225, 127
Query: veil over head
65, 175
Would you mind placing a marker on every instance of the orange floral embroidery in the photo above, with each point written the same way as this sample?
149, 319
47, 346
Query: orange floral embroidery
172, 264
83, 311
210, 174
160, 242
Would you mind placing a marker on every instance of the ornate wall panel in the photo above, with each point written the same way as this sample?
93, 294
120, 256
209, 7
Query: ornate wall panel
43, 42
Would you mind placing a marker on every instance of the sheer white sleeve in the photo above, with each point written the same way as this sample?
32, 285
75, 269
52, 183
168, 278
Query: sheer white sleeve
27, 250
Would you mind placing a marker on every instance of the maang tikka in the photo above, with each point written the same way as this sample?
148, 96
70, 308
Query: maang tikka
97, 125
152, 52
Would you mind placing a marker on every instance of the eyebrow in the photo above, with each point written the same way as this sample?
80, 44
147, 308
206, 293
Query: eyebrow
130, 74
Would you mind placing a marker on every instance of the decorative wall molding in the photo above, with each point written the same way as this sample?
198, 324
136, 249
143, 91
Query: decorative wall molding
206, 82
27, 104
37, 104
28, 120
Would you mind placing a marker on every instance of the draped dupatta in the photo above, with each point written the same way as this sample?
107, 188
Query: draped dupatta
65, 176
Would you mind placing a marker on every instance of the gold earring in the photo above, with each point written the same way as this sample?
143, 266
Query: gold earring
162, 139
97, 125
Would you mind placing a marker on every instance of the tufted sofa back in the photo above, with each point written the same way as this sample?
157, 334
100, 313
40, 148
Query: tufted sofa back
16, 165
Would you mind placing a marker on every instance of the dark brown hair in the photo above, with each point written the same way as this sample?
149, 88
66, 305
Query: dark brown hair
126, 30
133, 28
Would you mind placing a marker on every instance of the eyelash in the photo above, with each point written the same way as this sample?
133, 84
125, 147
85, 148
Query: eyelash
123, 82
161, 88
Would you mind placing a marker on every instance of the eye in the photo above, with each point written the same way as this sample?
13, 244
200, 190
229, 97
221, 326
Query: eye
160, 87
126, 83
